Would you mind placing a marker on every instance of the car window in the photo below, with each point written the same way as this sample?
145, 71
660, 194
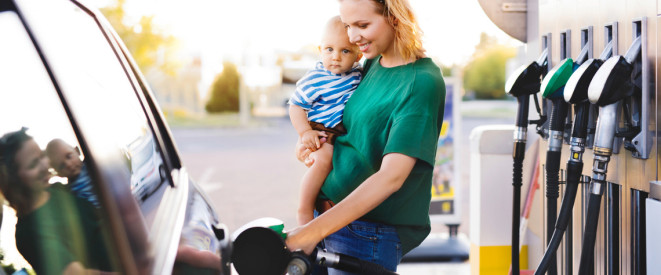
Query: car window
101, 96
61, 223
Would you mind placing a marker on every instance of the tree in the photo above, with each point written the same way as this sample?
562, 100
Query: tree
225, 91
149, 47
485, 73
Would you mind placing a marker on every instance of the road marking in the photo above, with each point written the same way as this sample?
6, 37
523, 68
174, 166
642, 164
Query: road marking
206, 184
211, 186
206, 175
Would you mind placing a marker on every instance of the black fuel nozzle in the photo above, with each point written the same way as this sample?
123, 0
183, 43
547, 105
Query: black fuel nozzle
576, 92
259, 248
610, 85
612, 82
526, 81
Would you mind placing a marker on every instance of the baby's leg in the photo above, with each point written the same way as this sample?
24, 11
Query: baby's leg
313, 180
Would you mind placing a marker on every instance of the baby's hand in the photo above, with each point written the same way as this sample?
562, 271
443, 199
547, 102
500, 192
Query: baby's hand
310, 139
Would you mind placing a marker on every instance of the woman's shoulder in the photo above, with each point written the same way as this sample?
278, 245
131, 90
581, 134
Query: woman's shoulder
428, 74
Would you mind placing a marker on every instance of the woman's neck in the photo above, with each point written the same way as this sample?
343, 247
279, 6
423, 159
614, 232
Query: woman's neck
394, 60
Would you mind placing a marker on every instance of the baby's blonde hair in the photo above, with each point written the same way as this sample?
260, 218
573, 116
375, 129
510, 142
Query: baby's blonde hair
408, 35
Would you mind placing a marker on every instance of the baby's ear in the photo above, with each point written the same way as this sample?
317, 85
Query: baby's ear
77, 150
360, 55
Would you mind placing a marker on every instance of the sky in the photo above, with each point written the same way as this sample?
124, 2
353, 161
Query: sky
218, 30
222, 28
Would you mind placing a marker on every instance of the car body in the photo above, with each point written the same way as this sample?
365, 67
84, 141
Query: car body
65, 74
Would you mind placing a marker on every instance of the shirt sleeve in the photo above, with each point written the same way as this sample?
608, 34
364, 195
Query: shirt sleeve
306, 94
417, 119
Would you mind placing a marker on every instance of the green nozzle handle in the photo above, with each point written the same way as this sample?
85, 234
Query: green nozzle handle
557, 78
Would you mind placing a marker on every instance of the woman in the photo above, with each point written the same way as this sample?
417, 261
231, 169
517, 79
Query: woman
374, 204
56, 232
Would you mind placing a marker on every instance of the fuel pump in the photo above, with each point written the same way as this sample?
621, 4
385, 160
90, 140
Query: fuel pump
552, 89
523, 83
610, 85
575, 92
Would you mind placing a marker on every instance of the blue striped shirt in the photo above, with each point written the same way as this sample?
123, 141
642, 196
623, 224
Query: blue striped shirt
82, 187
323, 94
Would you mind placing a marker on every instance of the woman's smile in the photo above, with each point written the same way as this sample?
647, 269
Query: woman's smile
364, 47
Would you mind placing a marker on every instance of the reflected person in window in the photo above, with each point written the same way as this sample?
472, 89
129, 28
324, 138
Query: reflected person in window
65, 160
56, 232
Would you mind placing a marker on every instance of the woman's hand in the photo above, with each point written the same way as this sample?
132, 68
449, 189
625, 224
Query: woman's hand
297, 239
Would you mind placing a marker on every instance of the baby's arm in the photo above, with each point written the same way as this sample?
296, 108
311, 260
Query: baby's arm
312, 181
299, 118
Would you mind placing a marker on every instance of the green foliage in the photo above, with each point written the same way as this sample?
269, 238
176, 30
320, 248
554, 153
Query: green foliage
149, 47
225, 91
446, 71
485, 73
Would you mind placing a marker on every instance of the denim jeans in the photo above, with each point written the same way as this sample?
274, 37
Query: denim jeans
370, 241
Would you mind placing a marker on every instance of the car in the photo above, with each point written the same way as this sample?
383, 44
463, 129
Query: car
65, 74
147, 172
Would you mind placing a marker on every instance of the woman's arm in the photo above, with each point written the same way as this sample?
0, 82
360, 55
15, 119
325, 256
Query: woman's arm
395, 168
76, 268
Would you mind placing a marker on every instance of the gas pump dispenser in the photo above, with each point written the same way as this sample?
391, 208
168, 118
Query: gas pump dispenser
610, 85
523, 83
553, 89
575, 92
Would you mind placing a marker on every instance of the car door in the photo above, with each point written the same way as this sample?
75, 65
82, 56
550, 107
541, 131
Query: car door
151, 209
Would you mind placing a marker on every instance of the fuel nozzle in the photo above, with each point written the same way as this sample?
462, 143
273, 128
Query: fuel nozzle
524, 82
611, 83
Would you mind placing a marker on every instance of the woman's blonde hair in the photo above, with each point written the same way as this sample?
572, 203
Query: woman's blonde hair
408, 35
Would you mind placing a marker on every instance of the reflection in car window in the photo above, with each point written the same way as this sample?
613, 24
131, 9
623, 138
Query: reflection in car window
49, 225
100, 94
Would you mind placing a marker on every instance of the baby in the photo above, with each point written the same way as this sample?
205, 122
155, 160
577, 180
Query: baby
65, 160
317, 105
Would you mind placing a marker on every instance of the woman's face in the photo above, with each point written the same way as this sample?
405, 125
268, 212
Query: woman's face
367, 28
32, 166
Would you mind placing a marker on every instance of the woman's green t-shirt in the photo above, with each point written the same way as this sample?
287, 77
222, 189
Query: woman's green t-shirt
394, 110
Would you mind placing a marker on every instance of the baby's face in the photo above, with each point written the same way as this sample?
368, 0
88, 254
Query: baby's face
66, 161
337, 53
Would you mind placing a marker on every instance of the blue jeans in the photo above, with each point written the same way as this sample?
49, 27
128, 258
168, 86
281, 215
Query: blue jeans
370, 241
